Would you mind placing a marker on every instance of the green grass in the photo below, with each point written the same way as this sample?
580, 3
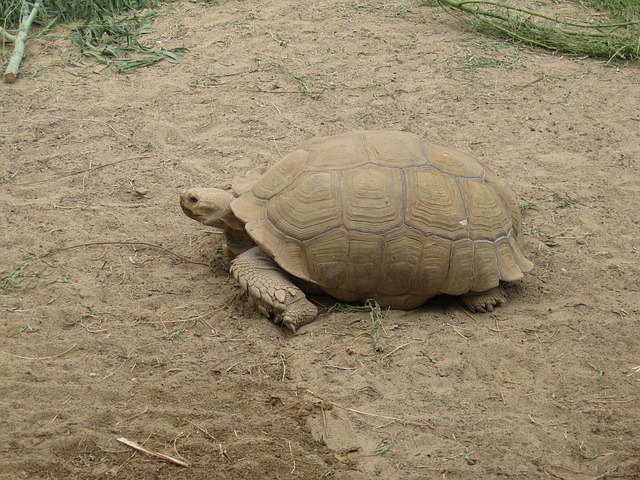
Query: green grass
16, 279
111, 33
70, 10
22, 329
615, 38
91, 314
621, 10
531, 330
383, 447
176, 332
526, 204
306, 85
369, 329
564, 200
91, 320
469, 65
398, 8
582, 452
186, 324
218, 260
214, 3
117, 42
431, 358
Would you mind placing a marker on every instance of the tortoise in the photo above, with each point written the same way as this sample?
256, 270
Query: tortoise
380, 215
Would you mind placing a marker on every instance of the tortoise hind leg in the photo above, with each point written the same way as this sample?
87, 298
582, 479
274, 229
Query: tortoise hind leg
485, 301
271, 291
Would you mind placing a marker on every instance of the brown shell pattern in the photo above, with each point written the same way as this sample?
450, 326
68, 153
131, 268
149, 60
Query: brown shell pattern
386, 215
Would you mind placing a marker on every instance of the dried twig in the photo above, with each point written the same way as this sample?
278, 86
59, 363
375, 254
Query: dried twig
547, 425
42, 358
95, 121
143, 244
386, 417
396, 349
633, 371
162, 456
284, 366
84, 170
133, 416
203, 430
292, 459
456, 330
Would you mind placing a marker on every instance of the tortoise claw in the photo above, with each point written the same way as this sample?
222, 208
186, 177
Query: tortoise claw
485, 302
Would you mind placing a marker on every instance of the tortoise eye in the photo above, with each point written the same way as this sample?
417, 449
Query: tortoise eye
193, 199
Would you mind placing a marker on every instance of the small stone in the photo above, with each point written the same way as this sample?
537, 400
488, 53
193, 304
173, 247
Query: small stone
142, 191
237, 419
93, 374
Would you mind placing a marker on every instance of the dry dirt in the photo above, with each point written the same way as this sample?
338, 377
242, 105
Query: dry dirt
113, 325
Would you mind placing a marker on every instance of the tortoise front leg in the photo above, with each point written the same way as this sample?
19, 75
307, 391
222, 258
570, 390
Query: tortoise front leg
271, 291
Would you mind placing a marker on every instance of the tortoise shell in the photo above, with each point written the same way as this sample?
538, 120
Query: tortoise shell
388, 216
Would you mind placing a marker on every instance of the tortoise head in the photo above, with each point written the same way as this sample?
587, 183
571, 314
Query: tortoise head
209, 206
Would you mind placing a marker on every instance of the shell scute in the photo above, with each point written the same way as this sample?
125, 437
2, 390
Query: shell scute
434, 204
308, 207
367, 186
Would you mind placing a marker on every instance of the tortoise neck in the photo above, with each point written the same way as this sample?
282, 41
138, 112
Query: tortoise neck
238, 240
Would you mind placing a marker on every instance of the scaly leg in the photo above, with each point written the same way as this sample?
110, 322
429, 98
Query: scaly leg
271, 291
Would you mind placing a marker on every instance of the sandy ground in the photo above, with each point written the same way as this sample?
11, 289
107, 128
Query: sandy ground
113, 324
